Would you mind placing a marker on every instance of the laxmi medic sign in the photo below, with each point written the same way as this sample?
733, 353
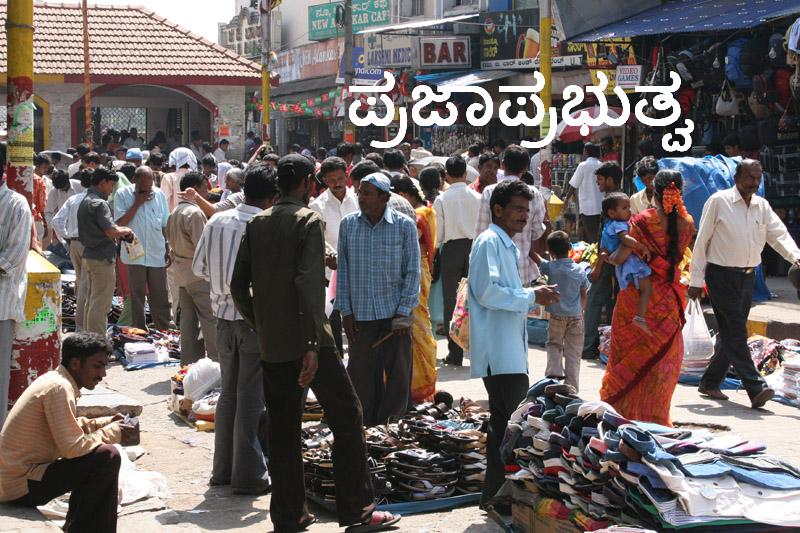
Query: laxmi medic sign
443, 53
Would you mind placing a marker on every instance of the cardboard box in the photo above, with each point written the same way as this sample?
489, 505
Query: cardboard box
545, 524
522, 517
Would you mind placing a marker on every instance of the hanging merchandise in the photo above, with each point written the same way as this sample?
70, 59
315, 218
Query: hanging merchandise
728, 101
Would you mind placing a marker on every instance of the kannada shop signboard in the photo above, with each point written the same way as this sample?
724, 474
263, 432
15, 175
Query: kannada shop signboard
388, 51
366, 14
444, 53
510, 39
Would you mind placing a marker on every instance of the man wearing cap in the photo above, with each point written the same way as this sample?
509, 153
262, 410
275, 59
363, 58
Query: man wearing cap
377, 287
134, 156
277, 284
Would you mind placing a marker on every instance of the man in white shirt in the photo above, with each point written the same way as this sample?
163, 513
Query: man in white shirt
735, 226
183, 160
238, 457
536, 172
133, 140
63, 189
589, 197
646, 169
333, 205
80, 153
65, 226
221, 153
456, 219
516, 161
15, 238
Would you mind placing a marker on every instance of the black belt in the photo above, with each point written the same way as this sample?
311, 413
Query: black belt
738, 270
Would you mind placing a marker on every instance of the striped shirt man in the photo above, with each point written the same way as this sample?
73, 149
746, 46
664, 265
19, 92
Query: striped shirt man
215, 256
15, 240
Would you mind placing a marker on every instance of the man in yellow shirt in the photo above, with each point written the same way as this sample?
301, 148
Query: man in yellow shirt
46, 450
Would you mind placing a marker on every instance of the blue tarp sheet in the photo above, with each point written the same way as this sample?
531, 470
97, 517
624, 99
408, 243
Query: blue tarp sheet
687, 16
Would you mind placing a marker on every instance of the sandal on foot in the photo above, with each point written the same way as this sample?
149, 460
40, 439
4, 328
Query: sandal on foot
379, 521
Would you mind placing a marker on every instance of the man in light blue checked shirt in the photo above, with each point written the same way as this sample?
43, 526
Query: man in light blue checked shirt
377, 289
143, 208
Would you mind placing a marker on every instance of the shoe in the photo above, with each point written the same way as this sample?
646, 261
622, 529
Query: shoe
714, 393
760, 399
590, 356
450, 362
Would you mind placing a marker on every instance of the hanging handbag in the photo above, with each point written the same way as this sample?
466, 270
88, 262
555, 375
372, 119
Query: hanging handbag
727, 102
459, 324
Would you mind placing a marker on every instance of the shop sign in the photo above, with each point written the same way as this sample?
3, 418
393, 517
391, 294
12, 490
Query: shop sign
364, 75
629, 76
310, 61
613, 79
510, 39
387, 51
443, 53
366, 14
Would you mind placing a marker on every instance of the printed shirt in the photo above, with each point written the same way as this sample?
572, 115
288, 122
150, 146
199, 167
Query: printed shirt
456, 213
278, 282
42, 428
94, 218
378, 270
498, 307
590, 199
215, 256
15, 240
184, 230
147, 224
570, 278
727, 220
534, 229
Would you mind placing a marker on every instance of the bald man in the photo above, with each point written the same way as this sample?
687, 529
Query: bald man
144, 209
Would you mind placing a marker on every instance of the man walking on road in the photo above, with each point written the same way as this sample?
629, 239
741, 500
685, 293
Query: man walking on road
736, 215
281, 291
456, 218
590, 197
238, 457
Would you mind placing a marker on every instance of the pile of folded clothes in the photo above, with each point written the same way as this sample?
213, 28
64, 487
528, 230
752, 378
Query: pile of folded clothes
68, 306
433, 452
163, 342
141, 352
596, 468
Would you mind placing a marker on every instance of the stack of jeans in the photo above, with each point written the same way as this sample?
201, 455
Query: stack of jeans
609, 470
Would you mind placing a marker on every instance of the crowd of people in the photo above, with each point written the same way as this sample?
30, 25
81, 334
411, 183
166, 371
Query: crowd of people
267, 266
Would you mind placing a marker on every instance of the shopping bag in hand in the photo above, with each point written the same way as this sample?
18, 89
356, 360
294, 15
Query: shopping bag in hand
459, 324
697, 341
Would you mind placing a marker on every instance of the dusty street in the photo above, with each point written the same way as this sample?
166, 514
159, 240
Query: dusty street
184, 455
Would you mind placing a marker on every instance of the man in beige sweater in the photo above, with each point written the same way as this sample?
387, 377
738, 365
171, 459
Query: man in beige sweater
46, 450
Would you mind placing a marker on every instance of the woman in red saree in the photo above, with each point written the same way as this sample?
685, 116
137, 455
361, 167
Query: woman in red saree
643, 370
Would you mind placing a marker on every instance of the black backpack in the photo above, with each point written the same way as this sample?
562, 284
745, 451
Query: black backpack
753, 56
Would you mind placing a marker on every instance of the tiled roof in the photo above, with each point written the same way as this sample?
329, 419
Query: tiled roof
124, 41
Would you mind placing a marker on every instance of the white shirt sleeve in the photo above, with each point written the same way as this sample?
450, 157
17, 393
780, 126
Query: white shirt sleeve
708, 221
778, 237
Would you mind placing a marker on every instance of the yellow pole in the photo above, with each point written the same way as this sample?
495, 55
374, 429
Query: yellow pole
19, 98
87, 86
546, 51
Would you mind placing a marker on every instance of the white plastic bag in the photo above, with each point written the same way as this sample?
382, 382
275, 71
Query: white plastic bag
202, 376
697, 341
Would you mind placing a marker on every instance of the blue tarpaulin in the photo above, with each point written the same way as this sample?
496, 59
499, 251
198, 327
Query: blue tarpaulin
702, 177
686, 16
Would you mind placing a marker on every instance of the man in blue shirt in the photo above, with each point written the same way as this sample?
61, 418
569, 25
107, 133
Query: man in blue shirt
143, 208
377, 288
498, 310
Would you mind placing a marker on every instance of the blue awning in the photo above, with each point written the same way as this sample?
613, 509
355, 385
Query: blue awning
688, 16
470, 77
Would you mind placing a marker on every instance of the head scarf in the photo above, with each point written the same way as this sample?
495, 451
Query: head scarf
182, 156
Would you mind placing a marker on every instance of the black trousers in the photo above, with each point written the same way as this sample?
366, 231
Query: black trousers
731, 295
380, 398
335, 392
506, 391
601, 295
589, 230
454, 266
92, 479
336, 327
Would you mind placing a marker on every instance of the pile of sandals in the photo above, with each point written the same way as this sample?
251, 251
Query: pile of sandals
434, 451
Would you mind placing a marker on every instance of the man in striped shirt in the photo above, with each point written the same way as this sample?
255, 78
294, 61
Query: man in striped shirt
238, 458
15, 239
